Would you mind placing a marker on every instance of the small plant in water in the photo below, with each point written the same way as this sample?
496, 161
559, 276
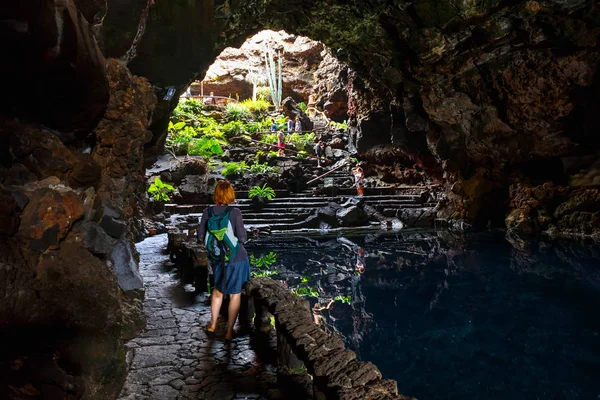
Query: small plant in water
264, 191
343, 299
306, 292
264, 261
160, 190
263, 273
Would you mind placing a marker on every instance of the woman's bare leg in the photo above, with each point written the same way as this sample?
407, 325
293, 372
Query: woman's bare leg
234, 309
215, 307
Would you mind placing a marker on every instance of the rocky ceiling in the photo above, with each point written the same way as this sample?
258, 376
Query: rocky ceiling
489, 92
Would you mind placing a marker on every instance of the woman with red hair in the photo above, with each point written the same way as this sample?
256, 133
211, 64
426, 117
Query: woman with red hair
229, 277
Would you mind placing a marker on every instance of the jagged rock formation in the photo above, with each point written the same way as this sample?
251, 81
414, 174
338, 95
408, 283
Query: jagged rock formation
70, 178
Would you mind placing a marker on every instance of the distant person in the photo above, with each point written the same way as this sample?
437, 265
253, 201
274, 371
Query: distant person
298, 125
360, 261
319, 151
359, 179
273, 126
281, 143
290, 125
210, 99
233, 269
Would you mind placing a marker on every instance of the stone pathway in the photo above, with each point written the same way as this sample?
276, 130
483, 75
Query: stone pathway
173, 358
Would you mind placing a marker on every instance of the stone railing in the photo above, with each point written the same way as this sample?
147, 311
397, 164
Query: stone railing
303, 347
310, 363
191, 259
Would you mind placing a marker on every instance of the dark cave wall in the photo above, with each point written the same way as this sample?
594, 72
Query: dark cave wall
71, 174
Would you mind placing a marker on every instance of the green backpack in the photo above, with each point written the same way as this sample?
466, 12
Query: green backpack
220, 242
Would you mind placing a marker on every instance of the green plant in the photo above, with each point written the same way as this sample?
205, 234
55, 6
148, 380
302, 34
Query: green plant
179, 135
264, 168
264, 273
272, 154
265, 124
253, 127
234, 168
305, 279
264, 191
301, 154
302, 106
338, 125
264, 261
234, 128
205, 147
306, 292
269, 138
256, 107
303, 142
237, 112
187, 110
263, 93
343, 299
160, 190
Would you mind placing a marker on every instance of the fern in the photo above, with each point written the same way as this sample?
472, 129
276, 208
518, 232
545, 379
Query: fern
264, 191
233, 168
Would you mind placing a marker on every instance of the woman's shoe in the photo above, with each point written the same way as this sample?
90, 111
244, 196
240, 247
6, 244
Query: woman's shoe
210, 331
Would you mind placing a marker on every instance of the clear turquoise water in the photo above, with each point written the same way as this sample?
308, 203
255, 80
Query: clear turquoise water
454, 317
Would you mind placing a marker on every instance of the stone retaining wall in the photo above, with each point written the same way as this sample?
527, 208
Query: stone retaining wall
336, 372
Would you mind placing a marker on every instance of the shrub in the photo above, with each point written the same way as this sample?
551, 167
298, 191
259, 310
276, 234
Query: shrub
179, 136
264, 191
259, 168
233, 168
265, 124
253, 127
303, 142
234, 128
302, 106
160, 190
263, 93
237, 112
187, 110
256, 107
205, 147
270, 138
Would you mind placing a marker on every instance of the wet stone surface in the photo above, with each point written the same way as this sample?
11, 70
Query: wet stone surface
174, 358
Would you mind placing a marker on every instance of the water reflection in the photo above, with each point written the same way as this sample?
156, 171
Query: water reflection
450, 316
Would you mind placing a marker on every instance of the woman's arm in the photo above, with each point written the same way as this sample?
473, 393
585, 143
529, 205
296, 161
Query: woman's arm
203, 225
238, 225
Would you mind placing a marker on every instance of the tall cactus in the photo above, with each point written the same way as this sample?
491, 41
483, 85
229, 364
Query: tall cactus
275, 82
